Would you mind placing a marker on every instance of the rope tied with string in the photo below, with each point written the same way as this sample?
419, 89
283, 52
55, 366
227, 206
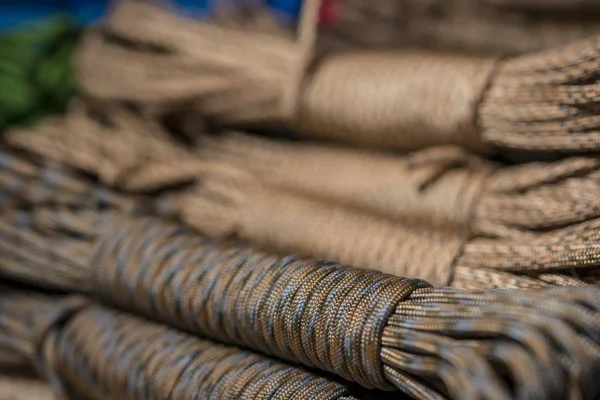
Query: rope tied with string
441, 186
119, 146
437, 186
230, 201
321, 314
543, 102
356, 323
287, 222
83, 349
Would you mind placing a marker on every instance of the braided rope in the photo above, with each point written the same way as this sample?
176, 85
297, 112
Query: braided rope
444, 186
563, 257
326, 315
88, 350
290, 223
120, 147
543, 102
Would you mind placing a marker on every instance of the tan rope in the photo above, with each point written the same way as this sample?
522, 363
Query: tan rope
438, 186
307, 227
92, 352
166, 76
121, 148
209, 287
292, 223
441, 186
487, 27
402, 100
230, 200
554, 5
434, 187
16, 387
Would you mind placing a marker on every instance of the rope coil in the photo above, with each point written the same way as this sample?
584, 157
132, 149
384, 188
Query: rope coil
224, 204
84, 349
486, 27
320, 313
438, 186
540, 102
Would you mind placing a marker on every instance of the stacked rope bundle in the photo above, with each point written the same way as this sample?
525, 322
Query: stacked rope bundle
437, 186
378, 330
89, 351
120, 147
225, 199
286, 222
475, 26
540, 102
219, 303
18, 387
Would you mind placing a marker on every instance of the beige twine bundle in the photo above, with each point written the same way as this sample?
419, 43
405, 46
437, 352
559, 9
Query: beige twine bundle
486, 27
291, 223
227, 201
542, 102
436, 186
22, 387
122, 148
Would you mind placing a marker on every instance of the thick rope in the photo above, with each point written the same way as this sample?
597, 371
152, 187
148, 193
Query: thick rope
369, 327
88, 350
438, 186
120, 147
543, 102
486, 27
229, 201
290, 223
140, 265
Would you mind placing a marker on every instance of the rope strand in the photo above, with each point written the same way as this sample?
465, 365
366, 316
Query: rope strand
88, 350
542, 102
438, 186
379, 330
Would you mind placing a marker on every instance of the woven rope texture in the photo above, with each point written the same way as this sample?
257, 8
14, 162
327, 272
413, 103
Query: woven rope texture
85, 350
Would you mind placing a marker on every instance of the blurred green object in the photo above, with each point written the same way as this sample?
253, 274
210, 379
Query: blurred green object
36, 70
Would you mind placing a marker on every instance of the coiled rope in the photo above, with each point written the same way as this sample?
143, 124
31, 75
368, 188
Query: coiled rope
438, 186
486, 27
86, 350
540, 102
376, 329
228, 200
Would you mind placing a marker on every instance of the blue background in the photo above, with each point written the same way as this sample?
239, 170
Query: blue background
16, 13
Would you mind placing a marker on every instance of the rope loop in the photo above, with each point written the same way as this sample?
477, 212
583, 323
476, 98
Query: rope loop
320, 313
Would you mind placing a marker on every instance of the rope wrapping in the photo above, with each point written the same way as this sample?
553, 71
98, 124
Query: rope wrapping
289, 223
442, 186
229, 200
542, 102
379, 330
120, 147
86, 350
